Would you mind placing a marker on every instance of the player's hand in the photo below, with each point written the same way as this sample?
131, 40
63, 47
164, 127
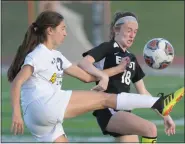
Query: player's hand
17, 123
102, 85
124, 63
169, 125
97, 88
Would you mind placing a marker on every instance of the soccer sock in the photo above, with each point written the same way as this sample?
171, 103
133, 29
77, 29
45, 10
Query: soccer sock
130, 101
148, 139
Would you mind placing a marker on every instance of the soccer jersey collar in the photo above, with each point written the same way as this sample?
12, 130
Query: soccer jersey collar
42, 46
115, 44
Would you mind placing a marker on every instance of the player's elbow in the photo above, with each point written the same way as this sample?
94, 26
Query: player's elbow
85, 62
88, 79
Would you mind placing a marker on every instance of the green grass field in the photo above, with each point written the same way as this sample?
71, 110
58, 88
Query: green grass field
85, 125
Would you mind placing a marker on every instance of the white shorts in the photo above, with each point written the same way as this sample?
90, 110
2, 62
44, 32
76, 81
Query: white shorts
44, 116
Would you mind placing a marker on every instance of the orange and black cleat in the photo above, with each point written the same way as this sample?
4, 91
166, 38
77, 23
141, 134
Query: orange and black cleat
165, 104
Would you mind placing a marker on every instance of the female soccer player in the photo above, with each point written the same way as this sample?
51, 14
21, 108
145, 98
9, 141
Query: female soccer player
123, 125
36, 76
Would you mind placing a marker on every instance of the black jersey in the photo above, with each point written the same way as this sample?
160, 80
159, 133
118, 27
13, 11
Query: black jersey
108, 55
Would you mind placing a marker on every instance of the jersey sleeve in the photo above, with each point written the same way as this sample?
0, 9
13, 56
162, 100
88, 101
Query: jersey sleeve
99, 52
139, 74
30, 61
66, 63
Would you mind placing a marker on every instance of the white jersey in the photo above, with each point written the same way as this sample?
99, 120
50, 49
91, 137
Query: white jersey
47, 75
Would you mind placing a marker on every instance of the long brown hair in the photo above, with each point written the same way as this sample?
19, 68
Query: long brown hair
117, 16
35, 34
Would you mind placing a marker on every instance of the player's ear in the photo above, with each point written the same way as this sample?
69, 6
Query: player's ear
116, 30
49, 30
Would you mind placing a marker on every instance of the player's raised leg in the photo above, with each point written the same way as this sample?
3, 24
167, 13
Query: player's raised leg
85, 101
162, 105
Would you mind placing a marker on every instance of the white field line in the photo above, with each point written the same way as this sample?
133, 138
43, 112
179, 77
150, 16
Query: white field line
5, 138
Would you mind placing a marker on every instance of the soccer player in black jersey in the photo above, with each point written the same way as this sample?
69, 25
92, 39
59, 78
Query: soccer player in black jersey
121, 124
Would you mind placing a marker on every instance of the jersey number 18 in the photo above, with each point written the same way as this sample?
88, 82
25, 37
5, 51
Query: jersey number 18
126, 77
127, 74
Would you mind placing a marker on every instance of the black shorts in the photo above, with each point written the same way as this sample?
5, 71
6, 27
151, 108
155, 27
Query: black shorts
103, 116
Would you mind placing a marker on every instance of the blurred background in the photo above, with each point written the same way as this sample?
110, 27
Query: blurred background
87, 26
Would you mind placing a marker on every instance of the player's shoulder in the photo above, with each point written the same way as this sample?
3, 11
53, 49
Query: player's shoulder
103, 44
111, 44
37, 52
40, 50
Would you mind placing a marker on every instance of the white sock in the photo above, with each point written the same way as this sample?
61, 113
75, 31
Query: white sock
130, 101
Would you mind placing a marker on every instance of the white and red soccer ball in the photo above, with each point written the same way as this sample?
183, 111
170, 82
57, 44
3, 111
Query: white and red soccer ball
158, 53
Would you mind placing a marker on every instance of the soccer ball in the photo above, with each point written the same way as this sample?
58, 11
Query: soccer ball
158, 53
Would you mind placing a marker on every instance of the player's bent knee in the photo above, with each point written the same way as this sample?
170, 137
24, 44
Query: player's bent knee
61, 138
152, 130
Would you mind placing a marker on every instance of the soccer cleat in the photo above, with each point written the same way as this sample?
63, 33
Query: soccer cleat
165, 104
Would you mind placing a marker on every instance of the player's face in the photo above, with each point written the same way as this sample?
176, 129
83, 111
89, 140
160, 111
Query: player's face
59, 34
128, 33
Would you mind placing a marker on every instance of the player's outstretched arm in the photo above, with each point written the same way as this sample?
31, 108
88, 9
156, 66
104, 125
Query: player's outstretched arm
87, 64
17, 121
82, 75
78, 73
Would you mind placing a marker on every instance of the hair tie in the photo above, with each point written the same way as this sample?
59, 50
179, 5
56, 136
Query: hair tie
35, 26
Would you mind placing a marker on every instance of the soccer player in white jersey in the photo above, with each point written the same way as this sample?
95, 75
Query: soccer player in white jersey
36, 79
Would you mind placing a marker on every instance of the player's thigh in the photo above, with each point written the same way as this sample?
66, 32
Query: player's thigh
85, 101
61, 138
127, 123
43, 125
128, 139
